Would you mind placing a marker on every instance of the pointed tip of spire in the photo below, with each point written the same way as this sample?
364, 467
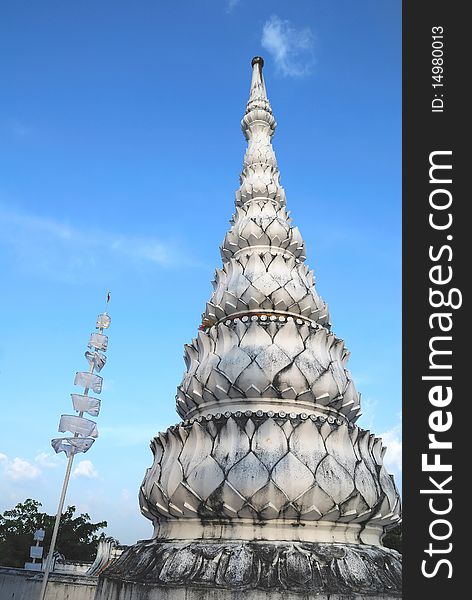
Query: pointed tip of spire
258, 104
258, 90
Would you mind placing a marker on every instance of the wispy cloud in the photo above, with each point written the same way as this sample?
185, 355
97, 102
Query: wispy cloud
291, 48
16, 128
369, 409
129, 435
392, 439
230, 4
64, 252
85, 468
128, 503
45, 460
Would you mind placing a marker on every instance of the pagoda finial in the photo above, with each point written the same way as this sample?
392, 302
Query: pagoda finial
258, 109
258, 90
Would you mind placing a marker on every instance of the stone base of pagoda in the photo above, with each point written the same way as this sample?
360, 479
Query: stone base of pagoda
276, 530
259, 570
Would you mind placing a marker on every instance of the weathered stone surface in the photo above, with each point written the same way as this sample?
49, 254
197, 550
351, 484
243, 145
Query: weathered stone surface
279, 284
316, 468
312, 569
267, 360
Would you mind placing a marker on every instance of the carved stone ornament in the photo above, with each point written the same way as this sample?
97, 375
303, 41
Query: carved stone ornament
267, 484
334, 571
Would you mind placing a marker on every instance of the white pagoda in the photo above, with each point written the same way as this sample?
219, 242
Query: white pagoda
267, 487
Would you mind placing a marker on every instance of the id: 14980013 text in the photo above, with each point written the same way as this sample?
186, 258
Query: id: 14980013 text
437, 69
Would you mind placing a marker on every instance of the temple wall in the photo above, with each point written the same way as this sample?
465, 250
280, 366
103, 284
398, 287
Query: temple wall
120, 590
21, 584
72, 567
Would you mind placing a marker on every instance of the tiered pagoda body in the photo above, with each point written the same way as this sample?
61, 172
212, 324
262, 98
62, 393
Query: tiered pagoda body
267, 487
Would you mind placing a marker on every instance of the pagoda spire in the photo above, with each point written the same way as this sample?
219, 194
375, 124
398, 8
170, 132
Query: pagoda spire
264, 281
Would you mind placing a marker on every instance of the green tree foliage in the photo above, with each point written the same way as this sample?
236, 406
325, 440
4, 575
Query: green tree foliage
77, 539
393, 539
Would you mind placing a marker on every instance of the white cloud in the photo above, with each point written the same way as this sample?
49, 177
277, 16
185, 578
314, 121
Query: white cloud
393, 441
85, 468
19, 469
291, 49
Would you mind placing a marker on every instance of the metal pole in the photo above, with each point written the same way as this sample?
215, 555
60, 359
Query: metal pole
56, 527
47, 570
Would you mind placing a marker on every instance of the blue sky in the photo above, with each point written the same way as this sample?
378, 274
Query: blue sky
121, 150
